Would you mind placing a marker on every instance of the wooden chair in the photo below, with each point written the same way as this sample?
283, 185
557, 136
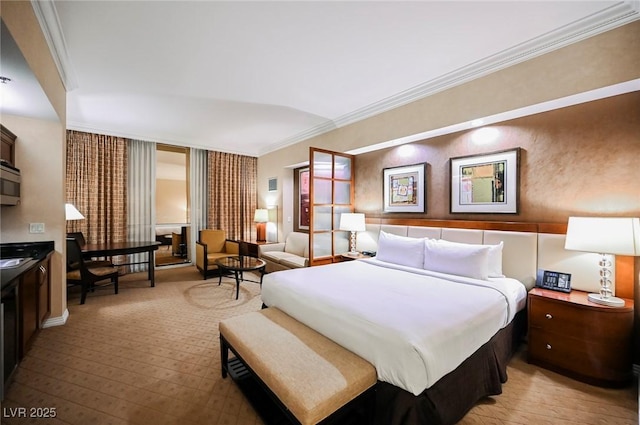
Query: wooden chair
211, 245
79, 236
78, 273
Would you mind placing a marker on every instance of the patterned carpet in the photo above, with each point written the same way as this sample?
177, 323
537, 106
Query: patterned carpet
144, 356
151, 356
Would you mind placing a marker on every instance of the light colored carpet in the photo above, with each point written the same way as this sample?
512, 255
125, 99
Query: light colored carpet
151, 356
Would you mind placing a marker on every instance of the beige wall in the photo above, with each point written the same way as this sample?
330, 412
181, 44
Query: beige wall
599, 61
578, 160
40, 153
171, 201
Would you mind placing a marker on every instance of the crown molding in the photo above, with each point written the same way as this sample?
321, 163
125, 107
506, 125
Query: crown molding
47, 16
615, 16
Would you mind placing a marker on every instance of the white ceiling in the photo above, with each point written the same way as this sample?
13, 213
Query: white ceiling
250, 77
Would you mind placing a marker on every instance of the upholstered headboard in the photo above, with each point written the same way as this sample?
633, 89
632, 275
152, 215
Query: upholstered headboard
524, 251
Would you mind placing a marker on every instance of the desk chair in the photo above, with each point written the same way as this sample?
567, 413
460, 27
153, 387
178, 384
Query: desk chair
79, 273
79, 236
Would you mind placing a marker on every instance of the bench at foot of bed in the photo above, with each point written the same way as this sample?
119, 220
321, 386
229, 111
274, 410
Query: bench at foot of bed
311, 378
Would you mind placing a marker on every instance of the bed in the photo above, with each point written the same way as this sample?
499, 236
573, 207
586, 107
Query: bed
438, 312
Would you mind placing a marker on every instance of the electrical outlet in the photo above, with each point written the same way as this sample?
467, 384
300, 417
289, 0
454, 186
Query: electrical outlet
36, 227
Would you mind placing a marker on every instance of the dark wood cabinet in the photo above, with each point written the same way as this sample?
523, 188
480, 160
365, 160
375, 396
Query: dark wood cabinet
34, 303
251, 248
583, 340
44, 294
7, 153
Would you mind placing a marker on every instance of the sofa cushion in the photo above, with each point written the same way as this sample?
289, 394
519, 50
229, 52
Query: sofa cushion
278, 256
294, 262
297, 243
216, 255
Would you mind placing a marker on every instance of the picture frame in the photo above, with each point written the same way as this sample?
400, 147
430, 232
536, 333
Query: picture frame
404, 189
556, 281
304, 206
485, 184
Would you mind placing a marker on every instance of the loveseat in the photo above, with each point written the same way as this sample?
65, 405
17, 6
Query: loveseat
290, 254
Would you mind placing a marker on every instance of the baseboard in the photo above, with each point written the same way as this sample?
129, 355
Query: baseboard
56, 321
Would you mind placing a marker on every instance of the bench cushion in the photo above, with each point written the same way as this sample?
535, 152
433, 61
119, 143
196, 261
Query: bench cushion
310, 374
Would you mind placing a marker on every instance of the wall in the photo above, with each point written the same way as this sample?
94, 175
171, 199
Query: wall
599, 61
171, 201
40, 153
578, 160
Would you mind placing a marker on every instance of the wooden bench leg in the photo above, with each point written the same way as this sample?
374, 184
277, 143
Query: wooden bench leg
224, 356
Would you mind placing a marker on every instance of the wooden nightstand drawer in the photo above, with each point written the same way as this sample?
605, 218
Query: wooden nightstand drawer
556, 349
591, 362
580, 323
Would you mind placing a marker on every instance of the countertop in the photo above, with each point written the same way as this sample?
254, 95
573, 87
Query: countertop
36, 251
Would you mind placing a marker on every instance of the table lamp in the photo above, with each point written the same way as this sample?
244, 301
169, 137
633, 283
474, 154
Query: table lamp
353, 222
72, 213
261, 217
606, 236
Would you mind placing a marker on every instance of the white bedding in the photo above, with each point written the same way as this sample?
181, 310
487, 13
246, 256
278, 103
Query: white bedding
413, 325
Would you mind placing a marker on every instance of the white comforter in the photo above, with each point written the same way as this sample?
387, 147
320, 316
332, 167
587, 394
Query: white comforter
414, 326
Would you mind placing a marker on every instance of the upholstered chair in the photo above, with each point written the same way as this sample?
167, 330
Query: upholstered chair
212, 245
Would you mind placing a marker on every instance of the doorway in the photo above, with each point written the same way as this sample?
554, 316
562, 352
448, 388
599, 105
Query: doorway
172, 205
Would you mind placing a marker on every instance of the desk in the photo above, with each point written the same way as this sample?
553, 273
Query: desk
110, 249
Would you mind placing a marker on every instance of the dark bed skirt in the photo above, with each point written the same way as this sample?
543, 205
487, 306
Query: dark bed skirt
449, 399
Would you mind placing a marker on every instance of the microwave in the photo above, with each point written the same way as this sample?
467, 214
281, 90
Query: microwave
9, 184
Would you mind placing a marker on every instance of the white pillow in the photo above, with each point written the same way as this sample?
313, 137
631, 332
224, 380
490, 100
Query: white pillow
456, 258
495, 256
495, 260
400, 250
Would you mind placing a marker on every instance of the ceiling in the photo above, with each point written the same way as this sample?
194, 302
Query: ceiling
251, 77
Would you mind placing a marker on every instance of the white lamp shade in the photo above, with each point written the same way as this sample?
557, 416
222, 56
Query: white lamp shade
353, 222
604, 235
261, 216
72, 213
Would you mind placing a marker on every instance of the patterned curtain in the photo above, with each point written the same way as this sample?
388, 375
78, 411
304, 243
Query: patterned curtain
96, 183
233, 194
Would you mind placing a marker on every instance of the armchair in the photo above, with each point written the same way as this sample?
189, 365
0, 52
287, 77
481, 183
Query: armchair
211, 245
180, 242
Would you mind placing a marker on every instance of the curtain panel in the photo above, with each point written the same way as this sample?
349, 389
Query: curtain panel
233, 194
141, 199
198, 184
96, 183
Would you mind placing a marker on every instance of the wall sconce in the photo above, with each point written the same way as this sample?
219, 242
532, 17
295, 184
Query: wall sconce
604, 235
353, 222
261, 217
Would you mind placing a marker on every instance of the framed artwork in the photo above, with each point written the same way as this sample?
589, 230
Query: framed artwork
404, 188
486, 183
555, 281
304, 212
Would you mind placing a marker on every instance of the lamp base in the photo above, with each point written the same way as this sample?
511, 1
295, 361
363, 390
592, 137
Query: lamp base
610, 301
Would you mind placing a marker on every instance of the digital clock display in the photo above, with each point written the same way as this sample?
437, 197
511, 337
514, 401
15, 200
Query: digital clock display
556, 281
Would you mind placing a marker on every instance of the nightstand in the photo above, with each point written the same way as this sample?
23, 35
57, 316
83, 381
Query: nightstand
348, 257
583, 340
